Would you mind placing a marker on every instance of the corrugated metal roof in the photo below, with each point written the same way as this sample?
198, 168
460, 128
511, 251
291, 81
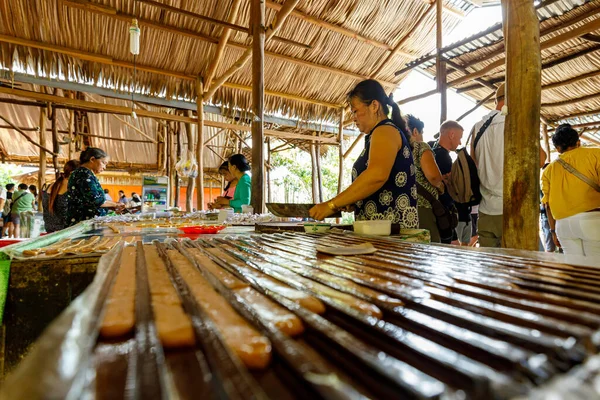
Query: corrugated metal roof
495, 35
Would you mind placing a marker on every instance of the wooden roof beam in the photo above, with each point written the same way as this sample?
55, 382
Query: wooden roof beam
581, 115
214, 64
126, 64
396, 50
92, 6
589, 27
280, 18
142, 113
583, 125
113, 13
448, 9
571, 101
331, 27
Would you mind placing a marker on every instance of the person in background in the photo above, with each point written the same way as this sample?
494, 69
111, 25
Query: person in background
429, 177
22, 201
384, 184
229, 190
474, 220
238, 168
54, 199
85, 196
487, 152
33, 190
107, 195
2, 203
451, 133
7, 225
136, 201
571, 188
122, 198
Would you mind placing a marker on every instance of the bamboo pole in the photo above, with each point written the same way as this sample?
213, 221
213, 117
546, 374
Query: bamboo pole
200, 144
353, 145
42, 170
135, 128
177, 158
440, 63
319, 172
233, 13
582, 125
341, 151
280, 18
521, 132
257, 12
477, 105
417, 97
269, 188
88, 105
314, 175
191, 183
546, 141
16, 128
55, 145
71, 135
169, 141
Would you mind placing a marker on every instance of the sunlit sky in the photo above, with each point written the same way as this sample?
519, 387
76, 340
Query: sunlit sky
428, 109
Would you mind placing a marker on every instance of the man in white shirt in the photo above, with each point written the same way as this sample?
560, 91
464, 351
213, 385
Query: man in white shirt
487, 150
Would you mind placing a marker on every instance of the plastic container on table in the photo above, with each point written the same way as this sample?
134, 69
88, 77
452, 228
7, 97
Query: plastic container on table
373, 227
202, 229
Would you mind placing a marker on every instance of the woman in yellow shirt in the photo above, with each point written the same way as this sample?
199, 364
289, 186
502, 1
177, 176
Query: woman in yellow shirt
573, 205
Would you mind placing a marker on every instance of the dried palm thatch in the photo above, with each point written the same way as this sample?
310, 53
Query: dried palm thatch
184, 46
570, 77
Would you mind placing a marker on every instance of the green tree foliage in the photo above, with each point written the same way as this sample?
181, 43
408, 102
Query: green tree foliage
291, 176
8, 170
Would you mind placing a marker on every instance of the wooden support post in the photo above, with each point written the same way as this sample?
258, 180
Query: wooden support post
441, 64
269, 188
521, 132
42, 170
71, 134
341, 150
314, 170
257, 26
169, 145
191, 183
177, 158
200, 144
319, 172
55, 145
546, 141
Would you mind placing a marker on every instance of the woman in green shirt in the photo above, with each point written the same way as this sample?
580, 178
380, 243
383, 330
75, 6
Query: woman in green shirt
238, 167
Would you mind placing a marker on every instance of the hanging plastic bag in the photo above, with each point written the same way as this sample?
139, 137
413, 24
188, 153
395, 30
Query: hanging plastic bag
187, 167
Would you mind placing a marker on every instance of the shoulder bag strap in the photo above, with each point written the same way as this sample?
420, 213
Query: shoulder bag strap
578, 174
425, 193
14, 201
482, 130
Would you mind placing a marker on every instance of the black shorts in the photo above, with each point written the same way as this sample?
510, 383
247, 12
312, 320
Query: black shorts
6, 219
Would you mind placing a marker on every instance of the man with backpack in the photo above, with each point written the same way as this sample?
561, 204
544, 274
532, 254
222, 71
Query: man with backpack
451, 133
487, 150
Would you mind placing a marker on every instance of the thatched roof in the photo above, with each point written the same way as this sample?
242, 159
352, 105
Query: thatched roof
570, 75
185, 46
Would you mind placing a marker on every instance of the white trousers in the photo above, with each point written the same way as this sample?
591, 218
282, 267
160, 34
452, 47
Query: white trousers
580, 234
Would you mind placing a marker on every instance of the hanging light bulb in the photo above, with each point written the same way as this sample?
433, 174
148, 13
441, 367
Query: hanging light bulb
133, 114
134, 38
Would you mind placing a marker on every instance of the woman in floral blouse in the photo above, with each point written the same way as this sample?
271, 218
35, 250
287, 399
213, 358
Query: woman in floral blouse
383, 177
85, 196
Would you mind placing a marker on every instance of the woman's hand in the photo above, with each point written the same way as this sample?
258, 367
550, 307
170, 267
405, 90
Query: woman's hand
321, 211
555, 240
349, 208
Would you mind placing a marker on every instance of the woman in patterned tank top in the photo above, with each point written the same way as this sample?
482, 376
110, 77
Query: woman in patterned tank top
384, 176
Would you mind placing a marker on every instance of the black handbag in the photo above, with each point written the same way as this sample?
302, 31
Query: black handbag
446, 218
